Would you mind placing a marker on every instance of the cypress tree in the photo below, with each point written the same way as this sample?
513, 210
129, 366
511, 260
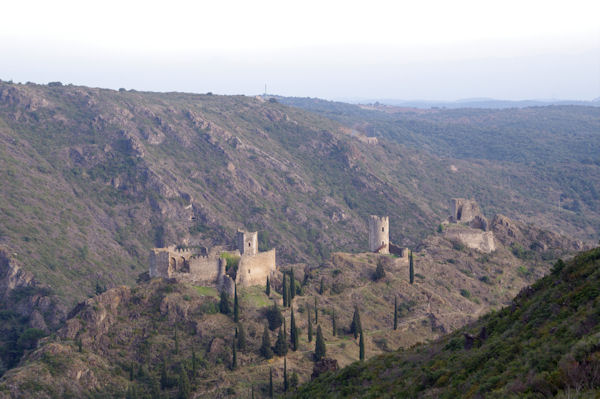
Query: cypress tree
241, 338
79, 346
333, 327
411, 268
285, 379
316, 312
176, 342
270, 383
236, 306
224, 306
322, 287
310, 331
164, 376
293, 332
281, 345
253, 388
320, 350
292, 284
185, 390
379, 271
355, 326
395, 312
194, 362
233, 355
265, 348
361, 345
285, 292
268, 292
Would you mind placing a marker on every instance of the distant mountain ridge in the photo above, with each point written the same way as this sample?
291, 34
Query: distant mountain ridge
489, 103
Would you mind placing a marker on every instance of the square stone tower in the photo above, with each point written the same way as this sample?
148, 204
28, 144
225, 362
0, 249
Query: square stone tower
247, 242
379, 234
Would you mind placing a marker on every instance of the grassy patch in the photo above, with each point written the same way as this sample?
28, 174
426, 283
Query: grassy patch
255, 297
207, 291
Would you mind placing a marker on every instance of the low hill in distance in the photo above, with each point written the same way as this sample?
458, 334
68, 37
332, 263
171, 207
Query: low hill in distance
546, 343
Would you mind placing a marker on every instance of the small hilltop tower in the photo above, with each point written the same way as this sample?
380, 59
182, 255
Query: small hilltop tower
247, 242
379, 234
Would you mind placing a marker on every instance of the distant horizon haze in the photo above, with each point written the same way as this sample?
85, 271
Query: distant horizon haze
431, 50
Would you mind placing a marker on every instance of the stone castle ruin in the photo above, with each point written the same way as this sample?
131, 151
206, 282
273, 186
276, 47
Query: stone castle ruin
218, 267
379, 237
468, 212
468, 226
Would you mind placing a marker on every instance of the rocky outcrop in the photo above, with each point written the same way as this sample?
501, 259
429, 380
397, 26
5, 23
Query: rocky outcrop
12, 276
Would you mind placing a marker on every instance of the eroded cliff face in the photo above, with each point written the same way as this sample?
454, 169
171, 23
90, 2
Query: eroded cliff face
21, 294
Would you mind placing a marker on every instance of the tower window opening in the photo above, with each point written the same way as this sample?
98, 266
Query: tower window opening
249, 244
383, 229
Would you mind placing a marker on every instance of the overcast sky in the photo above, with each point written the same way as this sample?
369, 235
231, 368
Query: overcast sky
433, 50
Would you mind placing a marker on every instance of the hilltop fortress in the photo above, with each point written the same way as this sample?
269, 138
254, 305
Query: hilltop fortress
244, 266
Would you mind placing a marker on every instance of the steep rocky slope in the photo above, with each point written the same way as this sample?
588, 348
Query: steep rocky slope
93, 178
546, 343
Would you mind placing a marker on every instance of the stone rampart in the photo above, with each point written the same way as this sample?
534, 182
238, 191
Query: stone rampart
253, 270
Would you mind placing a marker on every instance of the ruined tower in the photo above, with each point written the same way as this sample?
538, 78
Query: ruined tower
247, 242
379, 234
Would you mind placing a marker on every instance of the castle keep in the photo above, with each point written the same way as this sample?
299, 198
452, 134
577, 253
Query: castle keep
200, 266
379, 237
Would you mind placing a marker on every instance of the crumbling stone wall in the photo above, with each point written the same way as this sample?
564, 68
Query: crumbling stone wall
467, 211
203, 267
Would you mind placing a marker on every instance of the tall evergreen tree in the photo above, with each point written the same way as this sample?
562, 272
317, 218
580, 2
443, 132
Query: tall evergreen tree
285, 292
316, 312
176, 342
185, 390
165, 381
395, 312
285, 378
265, 348
281, 345
333, 327
292, 284
194, 362
379, 270
236, 306
361, 344
310, 330
293, 332
268, 292
224, 306
241, 338
320, 349
411, 268
270, 383
322, 287
233, 355
355, 326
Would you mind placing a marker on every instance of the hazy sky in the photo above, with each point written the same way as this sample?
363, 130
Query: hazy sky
435, 50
